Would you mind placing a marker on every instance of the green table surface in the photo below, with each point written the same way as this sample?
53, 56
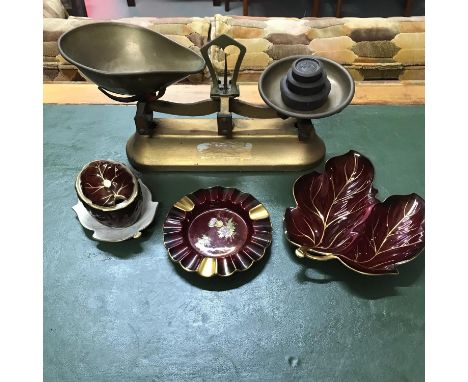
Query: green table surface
125, 312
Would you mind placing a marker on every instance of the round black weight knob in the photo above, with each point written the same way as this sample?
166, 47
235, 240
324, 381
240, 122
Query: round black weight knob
307, 69
303, 102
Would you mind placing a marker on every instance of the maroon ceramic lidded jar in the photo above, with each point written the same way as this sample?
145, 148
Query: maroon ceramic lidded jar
110, 192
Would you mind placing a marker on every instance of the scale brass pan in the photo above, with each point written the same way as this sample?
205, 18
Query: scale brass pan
341, 93
128, 59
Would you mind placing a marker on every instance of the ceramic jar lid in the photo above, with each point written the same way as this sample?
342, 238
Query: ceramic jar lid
110, 192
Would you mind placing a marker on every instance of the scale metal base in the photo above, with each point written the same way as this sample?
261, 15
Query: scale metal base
195, 145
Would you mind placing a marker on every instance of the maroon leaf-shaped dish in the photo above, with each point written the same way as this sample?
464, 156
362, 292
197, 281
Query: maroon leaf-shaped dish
338, 217
217, 231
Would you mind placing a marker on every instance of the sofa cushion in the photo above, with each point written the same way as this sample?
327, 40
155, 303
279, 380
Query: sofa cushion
53, 9
191, 32
370, 48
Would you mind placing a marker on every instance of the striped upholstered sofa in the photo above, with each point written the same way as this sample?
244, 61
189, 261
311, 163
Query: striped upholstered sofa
370, 48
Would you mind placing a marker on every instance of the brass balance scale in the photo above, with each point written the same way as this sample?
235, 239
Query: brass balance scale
133, 64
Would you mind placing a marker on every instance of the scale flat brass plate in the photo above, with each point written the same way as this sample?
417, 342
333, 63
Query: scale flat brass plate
194, 145
341, 93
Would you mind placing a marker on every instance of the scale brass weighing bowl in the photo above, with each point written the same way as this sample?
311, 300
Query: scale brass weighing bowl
126, 58
136, 62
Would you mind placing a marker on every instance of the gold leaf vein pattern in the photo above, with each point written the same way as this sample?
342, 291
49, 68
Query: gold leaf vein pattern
336, 201
337, 215
106, 184
393, 233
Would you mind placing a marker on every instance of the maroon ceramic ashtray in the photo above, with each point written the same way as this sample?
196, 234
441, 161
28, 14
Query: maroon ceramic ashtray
110, 193
338, 217
217, 231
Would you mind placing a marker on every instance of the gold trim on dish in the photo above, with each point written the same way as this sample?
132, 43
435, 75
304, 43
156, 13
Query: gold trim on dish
236, 270
185, 204
302, 252
258, 212
208, 267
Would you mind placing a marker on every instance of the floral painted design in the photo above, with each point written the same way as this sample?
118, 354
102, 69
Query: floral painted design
226, 229
203, 243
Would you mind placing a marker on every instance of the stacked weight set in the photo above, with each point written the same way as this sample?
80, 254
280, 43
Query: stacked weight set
305, 86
